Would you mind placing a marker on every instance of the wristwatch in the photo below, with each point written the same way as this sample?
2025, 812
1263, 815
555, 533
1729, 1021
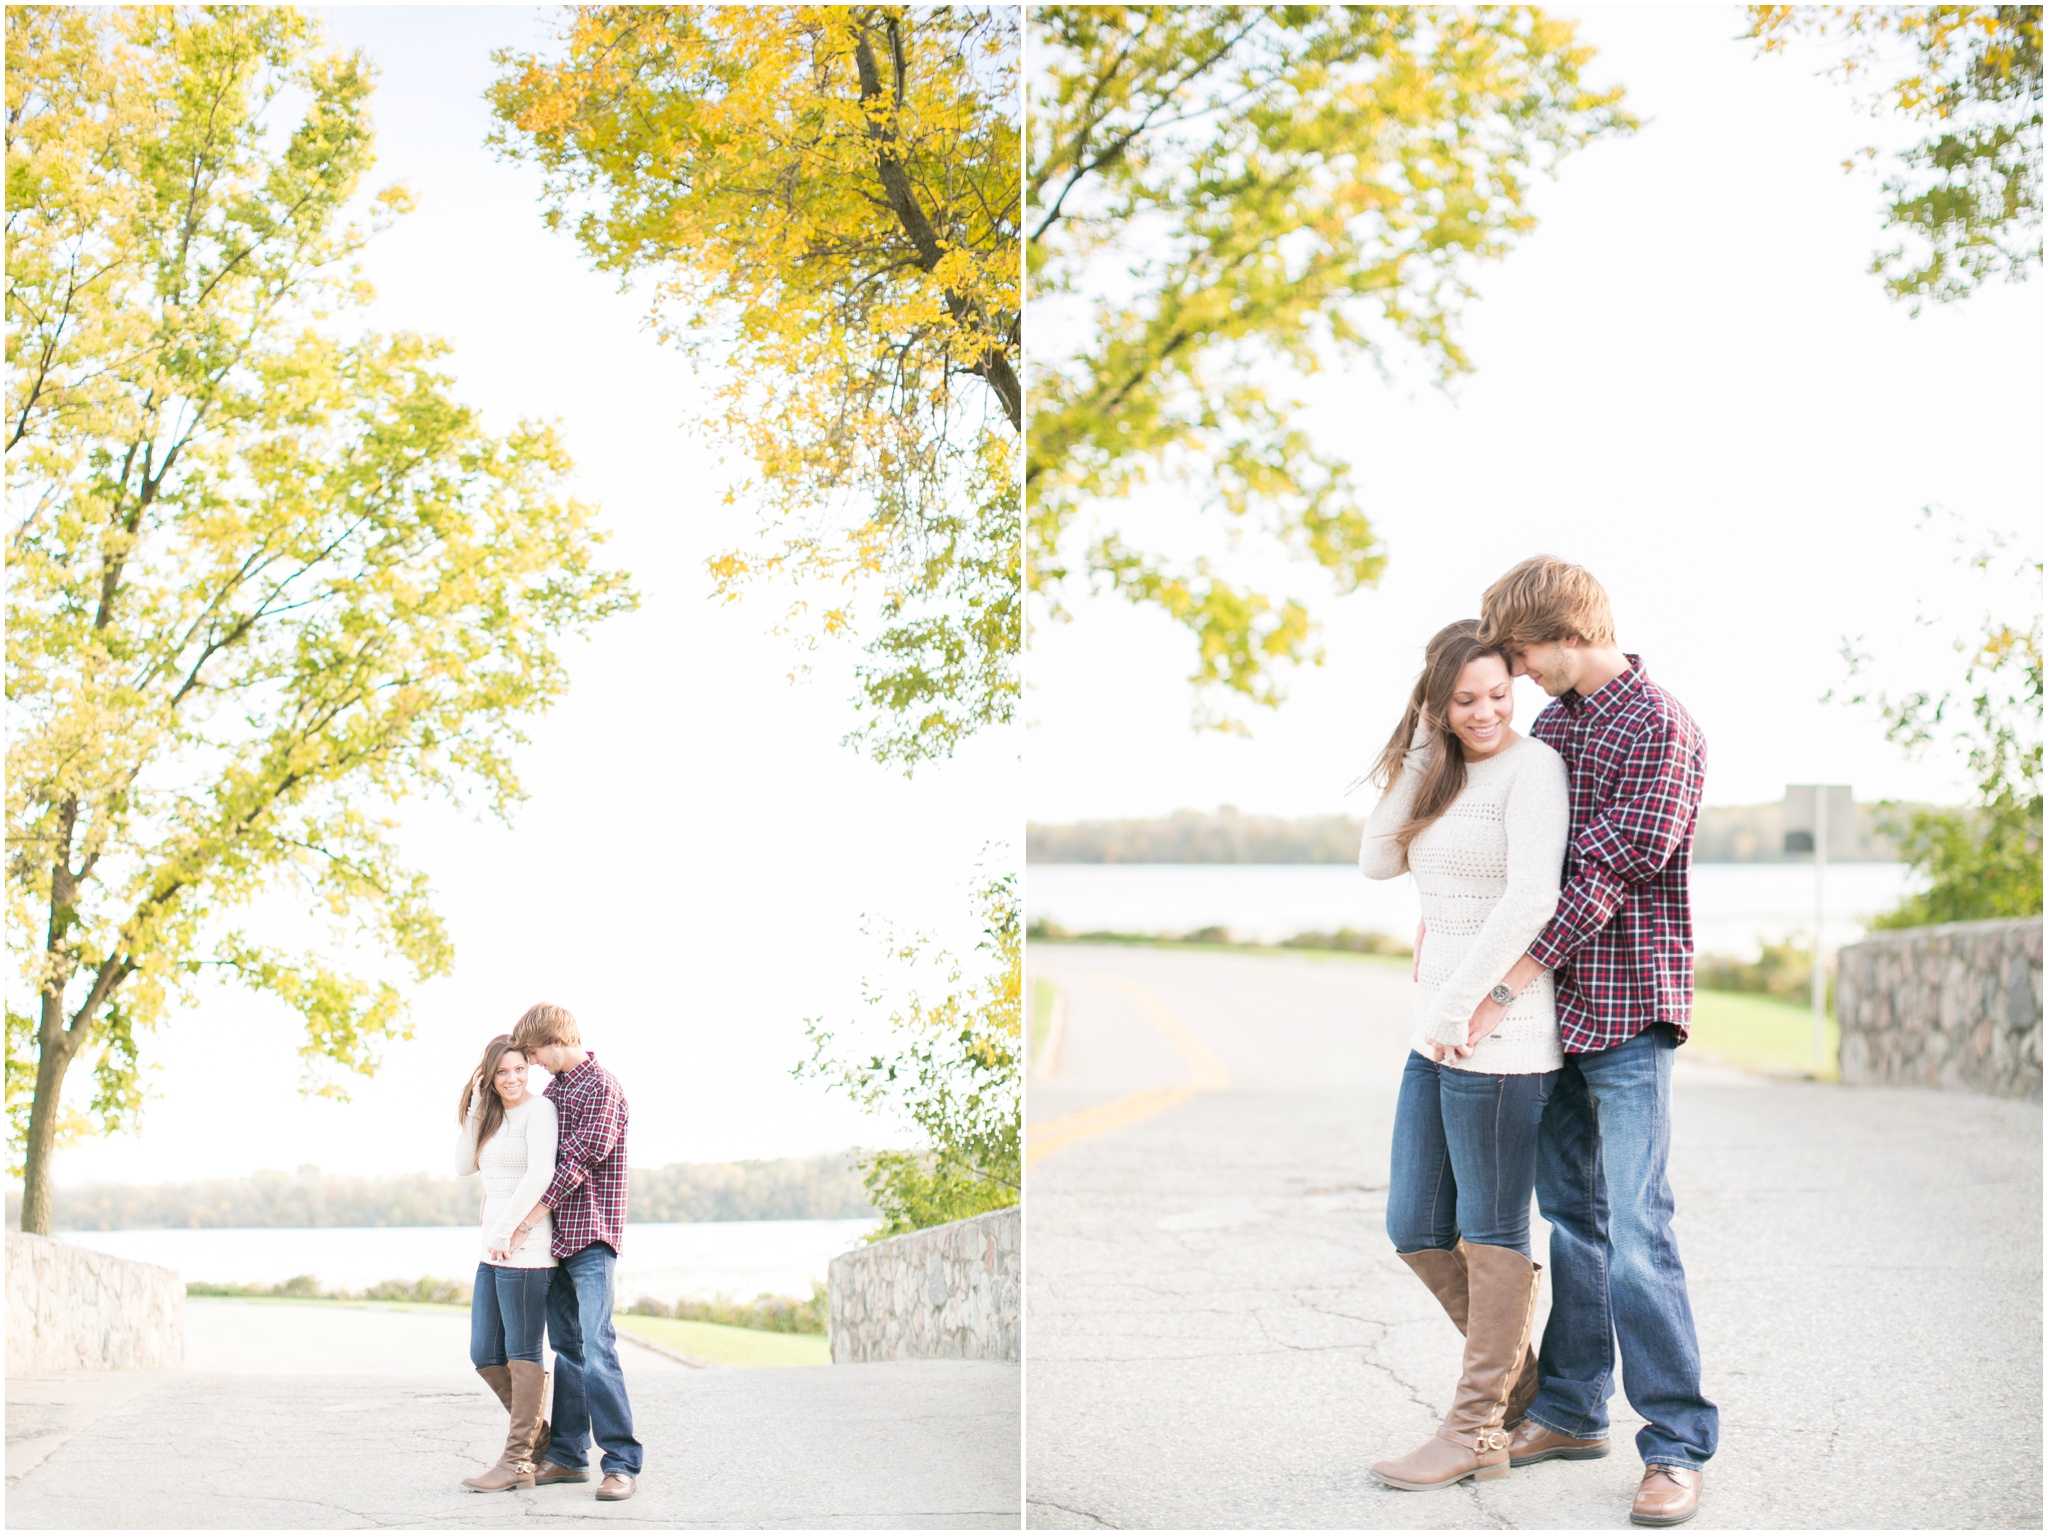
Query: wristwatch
1501, 994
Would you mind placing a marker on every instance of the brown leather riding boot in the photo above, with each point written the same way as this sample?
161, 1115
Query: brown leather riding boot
1501, 1288
1443, 1271
515, 1466
499, 1379
542, 1436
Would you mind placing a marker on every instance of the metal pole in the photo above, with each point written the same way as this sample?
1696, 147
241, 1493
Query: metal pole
1820, 872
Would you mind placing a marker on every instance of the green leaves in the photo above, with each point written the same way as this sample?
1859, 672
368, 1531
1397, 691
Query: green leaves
824, 201
1982, 860
266, 582
953, 1069
1969, 194
1222, 198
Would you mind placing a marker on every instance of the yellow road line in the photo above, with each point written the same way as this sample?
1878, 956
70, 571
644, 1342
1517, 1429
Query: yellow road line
1206, 1074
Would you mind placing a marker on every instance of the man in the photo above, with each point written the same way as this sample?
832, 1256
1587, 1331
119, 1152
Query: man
1621, 947
588, 1198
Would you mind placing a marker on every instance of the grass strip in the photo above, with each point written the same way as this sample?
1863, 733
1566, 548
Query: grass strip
1291, 949
1763, 1034
1042, 994
742, 1348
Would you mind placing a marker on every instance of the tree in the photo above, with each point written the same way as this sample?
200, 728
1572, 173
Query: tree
267, 580
1968, 196
1982, 860
953, 1069
824, 201
1220, 196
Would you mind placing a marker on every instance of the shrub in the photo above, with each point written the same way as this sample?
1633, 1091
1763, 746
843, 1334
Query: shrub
765, 1313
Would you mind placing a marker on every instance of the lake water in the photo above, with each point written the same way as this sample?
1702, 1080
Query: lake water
1736, 906
664, 1261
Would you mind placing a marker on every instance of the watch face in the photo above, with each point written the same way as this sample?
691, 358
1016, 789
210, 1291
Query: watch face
1502, 995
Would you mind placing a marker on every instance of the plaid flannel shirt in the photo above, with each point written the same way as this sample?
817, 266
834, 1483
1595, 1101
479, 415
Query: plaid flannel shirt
1621, 942
588, 1194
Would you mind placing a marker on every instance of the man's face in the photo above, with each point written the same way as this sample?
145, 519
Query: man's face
1553, 667
556, 1059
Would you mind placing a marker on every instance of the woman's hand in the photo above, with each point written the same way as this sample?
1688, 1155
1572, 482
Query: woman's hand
1486, 1018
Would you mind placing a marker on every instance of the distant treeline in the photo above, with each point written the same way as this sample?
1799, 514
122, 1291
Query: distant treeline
1727, 834
817, 1188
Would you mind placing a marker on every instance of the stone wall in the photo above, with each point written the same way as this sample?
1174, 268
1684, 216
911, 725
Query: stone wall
69, 1308
1951, 1006
947, 1292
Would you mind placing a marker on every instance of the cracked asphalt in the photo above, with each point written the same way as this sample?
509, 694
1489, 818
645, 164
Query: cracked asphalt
312, 1445
1219, 1334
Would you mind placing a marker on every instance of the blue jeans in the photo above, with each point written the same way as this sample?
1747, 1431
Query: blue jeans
590, 1389
1464, 1156
1614, 1269
507, 1309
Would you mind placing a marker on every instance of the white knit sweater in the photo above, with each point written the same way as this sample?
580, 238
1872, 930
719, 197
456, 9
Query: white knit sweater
1487, 870
517, 1163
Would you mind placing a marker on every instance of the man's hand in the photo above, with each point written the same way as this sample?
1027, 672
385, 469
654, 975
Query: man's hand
1415, 972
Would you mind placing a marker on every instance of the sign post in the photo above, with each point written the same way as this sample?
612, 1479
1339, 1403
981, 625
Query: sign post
1815, 814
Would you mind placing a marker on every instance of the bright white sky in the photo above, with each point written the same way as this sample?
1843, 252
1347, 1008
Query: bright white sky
690, 871
1687, 382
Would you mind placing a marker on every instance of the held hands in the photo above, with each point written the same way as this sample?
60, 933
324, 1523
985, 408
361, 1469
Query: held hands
1486, 1018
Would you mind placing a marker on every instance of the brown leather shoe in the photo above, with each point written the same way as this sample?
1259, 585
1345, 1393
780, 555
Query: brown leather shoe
1668, 1495
616, 1487
548, 1472
1533, 1442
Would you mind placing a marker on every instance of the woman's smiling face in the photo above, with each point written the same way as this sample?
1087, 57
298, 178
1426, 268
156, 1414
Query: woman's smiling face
1482, 706
510, 1077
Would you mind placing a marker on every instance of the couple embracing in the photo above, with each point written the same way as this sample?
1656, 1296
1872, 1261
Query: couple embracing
554, 1217
1554, 983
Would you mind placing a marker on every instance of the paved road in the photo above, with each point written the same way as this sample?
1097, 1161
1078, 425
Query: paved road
1220, 1335
328, 1425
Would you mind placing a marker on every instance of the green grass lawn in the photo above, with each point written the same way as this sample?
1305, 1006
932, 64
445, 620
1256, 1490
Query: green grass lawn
1759, 1033
1042, 994
1149, 941
329, 1300
740, 1347
711, 1342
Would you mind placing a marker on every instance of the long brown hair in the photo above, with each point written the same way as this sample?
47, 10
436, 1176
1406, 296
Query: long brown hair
1451, 649
485, 1080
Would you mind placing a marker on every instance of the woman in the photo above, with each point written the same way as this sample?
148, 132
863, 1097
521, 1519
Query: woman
1478, 814
508, 1135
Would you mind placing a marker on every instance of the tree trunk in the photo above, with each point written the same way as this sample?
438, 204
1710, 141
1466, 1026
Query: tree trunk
58, 1048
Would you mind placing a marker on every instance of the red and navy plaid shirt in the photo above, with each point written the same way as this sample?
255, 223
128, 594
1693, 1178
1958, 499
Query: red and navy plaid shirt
1621, 942
588, 1195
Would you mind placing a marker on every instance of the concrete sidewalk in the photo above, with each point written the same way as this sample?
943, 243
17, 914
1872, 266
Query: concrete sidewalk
243, 1446
1221, 1336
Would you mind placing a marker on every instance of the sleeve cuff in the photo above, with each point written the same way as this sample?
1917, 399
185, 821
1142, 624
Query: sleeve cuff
1549, 949
1445, 1030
